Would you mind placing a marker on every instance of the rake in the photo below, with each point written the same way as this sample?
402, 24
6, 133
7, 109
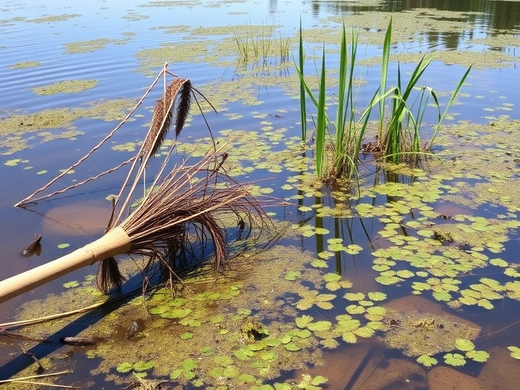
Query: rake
157, 225
185, 204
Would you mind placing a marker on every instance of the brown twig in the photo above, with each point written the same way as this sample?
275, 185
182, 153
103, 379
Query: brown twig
19, 336
75, 185
38, 320
34, 358
26, 379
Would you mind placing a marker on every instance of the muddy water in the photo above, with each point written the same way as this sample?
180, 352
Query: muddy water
121, 45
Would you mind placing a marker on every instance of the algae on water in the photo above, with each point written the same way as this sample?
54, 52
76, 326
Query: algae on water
25, 65
68, 86
92, 45
17, 130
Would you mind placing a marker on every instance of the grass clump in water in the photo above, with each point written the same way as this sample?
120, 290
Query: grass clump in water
399, 127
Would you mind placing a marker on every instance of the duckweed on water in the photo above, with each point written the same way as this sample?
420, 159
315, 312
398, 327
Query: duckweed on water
211, 347
68, 86
53, 18
426, 334
422, 250
25, 65
16, 129
91, 45
239, 328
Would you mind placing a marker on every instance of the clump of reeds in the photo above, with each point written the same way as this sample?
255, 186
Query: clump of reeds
259, 46
400, 139
344, 134
399, 127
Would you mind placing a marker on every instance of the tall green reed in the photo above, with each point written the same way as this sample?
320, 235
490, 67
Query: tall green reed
303, 105
259, 44
344, 134
401, 137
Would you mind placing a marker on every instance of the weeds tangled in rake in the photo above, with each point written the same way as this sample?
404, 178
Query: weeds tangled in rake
182, 208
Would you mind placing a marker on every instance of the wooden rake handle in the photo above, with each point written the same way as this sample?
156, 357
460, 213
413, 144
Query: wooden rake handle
114, 242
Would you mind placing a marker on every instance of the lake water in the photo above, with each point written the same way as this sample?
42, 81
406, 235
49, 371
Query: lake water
442, 251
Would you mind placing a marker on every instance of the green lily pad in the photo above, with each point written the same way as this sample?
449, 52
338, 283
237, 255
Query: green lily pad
303, 321
355, 309
349, 337
321, 231
12, 163
231, 372
354, 296
318, 263
353, 249
365, 332
292, 347
454, 359
143, 366
377, 296
244, 354
292, 275
514, 351
318, 380
319, 326
478, 356
124, 367
176, 313
464, 345
427, 360
330, 277
388, 280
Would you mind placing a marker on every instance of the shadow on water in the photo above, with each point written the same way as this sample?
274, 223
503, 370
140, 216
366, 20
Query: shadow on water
130, 290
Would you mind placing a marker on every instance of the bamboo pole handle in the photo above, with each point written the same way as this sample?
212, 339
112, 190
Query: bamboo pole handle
114, 242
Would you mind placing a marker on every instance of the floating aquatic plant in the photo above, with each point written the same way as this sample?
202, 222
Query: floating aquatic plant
427, 360
454, 359
514, 351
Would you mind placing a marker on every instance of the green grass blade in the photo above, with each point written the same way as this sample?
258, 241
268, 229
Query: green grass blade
384, 73
303, 105
340, 112
417, 122
321, 125
396, 132
350, 108
450, 102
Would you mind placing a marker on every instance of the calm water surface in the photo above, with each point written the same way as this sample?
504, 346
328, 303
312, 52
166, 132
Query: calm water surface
42, 31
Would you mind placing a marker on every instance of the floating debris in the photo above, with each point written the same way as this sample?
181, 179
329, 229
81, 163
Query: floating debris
34, 248
79, 341
132, 330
